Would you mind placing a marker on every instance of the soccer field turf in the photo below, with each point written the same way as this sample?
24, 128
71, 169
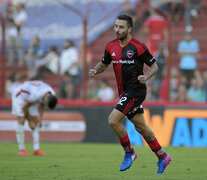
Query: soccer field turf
71, 161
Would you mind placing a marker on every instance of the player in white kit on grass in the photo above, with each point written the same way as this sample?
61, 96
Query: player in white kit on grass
25, 100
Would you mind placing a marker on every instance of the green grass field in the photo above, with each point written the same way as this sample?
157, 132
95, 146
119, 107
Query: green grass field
71, 161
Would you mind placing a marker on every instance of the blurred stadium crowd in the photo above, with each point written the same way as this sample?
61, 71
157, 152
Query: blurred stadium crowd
38, 58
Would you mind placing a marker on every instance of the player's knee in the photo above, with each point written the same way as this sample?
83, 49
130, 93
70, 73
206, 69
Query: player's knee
21, 120
33, 122
111, 122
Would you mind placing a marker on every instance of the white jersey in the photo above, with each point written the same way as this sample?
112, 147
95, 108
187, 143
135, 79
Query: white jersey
15, 88
34, 91
30, 91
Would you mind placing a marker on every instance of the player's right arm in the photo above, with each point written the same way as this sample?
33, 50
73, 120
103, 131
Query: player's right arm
32, 120
103, 64
99, 68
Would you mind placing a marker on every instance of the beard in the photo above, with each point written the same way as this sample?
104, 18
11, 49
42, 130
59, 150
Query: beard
122, 37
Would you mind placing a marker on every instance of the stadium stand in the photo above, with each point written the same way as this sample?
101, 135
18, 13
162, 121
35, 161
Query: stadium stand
100, 31
199, 33
54, 21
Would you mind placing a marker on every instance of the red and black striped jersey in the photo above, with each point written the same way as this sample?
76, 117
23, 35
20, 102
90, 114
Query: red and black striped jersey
128, 63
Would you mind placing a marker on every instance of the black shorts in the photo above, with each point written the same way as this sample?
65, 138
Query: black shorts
130, 104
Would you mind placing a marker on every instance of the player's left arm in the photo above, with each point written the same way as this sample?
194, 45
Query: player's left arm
151, 72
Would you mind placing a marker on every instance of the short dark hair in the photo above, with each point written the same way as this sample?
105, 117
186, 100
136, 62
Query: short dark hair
52, 101
53, 48
126, 18
70, 41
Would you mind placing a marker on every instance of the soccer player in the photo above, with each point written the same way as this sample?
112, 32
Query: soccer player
128, 56
25, 100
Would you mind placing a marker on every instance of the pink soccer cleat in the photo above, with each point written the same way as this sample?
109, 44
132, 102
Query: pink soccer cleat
162, 164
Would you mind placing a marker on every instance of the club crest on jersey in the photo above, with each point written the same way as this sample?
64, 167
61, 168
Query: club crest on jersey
130, 53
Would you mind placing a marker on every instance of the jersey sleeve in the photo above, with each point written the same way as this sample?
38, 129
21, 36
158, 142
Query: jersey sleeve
146, 56
107, 57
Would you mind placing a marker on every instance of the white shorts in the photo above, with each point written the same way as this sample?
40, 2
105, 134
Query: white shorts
18, 104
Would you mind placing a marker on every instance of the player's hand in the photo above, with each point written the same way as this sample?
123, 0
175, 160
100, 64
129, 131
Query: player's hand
32, 125
142, 79
26, 117
92, 73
